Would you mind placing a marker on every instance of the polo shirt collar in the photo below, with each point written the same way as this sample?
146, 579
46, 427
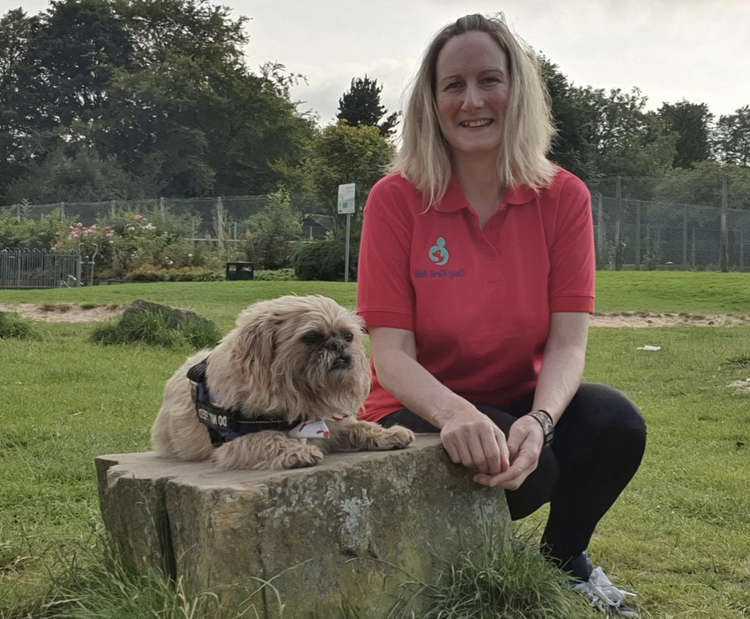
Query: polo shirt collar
455, 199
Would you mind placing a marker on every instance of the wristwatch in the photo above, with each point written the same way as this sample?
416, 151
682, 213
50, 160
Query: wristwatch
545, 420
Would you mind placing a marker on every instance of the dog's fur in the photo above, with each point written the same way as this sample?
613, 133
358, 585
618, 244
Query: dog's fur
297, 358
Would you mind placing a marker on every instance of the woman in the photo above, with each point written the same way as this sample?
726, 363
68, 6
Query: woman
476, 280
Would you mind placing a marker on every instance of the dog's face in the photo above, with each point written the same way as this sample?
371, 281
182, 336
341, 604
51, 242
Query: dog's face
306, 351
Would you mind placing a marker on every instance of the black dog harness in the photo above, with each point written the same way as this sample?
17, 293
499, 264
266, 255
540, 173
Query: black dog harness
225, 424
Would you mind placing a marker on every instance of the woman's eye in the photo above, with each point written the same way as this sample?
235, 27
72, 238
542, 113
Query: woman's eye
453, 86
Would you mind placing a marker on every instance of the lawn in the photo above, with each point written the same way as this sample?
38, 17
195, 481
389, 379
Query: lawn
679, 536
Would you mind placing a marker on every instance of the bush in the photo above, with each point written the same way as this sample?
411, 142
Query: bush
159, 325
151, 273
324, 260
29, 233
275, 275
272, 231
12, 325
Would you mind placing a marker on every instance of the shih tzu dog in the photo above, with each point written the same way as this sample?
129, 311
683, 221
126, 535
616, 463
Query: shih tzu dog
277, 392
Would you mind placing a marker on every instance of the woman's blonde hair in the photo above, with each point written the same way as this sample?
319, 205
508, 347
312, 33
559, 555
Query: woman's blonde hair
424, 157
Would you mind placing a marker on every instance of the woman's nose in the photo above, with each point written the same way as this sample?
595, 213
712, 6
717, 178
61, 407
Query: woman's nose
472, 97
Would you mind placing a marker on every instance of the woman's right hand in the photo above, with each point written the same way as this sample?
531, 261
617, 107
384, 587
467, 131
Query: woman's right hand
472, 439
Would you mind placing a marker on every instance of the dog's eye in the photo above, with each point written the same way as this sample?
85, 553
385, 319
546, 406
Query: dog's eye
313, 337
347, 335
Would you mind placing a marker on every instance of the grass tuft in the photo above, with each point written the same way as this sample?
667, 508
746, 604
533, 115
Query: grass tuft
504, 578
93, 583
150, 324
13, 326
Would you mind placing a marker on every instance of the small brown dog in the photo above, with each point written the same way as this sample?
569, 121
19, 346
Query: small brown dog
293, 367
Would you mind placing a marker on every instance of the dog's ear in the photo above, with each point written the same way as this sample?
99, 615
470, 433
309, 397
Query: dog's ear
255, 348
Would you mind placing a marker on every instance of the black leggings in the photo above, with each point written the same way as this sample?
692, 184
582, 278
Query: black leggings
598, 446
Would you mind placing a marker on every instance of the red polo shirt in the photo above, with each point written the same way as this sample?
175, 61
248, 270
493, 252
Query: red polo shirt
478, 300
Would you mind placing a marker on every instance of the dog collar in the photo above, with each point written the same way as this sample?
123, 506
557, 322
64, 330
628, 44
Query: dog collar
225, 425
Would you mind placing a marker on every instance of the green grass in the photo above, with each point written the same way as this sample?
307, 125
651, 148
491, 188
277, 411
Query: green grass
503, 579
679, 535
13, 326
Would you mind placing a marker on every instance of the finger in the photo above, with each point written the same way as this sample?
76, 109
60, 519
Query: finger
516, 438
464, 453
503, 445
511, 479
476, 452
492, 455
450, 448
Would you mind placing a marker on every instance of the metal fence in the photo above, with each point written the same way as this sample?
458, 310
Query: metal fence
630, 231
653, 235
221, 218
38, 268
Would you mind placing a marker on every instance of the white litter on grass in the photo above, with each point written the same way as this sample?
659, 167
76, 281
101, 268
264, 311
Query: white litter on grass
743, 384
649, 347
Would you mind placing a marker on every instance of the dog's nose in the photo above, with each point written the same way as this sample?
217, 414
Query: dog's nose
336, 345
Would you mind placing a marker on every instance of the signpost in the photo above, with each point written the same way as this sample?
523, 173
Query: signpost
346, 207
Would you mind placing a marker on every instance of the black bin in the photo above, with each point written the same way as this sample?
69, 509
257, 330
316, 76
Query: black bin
239, 270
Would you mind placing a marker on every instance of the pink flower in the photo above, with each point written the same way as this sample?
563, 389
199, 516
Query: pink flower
139, 216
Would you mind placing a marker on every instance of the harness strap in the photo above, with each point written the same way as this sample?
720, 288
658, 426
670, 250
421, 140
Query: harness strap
225, 424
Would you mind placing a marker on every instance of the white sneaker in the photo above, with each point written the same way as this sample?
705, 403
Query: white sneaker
605, 596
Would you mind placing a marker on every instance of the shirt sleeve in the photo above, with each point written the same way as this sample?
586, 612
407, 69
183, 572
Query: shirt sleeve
385, 296
572, 254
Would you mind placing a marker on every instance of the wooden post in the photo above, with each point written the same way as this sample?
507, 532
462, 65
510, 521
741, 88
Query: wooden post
638, 236
692, 249
601, 243
618, 226
724, 244
62, 211
112, 209
162, 210
219, 223
684, 236
742, 249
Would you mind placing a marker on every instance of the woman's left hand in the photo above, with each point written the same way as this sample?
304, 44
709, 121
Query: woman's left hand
525, 442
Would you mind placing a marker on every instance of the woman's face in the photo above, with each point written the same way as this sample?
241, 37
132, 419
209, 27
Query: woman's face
472, 87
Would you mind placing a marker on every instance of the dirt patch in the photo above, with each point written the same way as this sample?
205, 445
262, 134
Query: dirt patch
98, 313
646, 319
64, 312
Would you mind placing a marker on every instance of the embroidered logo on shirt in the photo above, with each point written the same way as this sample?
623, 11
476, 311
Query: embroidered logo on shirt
439, 252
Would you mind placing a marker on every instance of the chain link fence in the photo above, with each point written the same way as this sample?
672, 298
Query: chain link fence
637, 225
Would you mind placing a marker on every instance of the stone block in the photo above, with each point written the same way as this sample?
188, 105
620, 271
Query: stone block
343, 534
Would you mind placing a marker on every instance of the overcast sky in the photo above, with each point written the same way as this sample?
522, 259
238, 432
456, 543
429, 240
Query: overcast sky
697, 50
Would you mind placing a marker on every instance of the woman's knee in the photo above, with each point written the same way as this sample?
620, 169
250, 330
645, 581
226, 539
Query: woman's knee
608, 409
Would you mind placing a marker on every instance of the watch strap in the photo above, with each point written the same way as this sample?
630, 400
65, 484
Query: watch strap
545, 420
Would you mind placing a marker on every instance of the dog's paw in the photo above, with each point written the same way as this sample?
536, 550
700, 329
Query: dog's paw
395, 437
301, 456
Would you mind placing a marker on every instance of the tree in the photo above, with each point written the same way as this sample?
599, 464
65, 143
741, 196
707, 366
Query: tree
732, 141
574, 124
64, 177
605, 134
691, 122
16, 30
159, 90
345, 154
361, 106
701, 185
271, 232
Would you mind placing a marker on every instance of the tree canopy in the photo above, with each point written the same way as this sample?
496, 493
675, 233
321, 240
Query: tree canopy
158, 93
361, 105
